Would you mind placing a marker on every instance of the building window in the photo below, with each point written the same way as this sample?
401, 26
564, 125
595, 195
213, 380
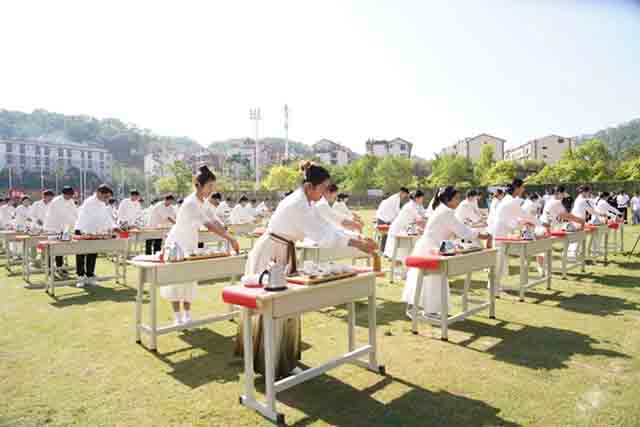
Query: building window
37, 148
47, 151
22, 149
90, 154
82, 154
403, 147
9, 159
37, 161
23, 160
560, 140
9, 148
60, 152
101, 156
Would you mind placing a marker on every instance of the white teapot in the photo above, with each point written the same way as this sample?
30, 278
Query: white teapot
277, 277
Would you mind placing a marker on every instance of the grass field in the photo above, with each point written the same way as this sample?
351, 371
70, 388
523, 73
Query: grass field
565, 357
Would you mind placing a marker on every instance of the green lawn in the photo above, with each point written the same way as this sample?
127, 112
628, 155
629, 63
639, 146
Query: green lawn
565, 357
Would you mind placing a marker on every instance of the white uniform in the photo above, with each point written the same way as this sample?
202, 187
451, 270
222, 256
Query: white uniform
129, 211
389, 209
60, 214
4, 216
552, 211
605, 209
468, 212
223, 211
294, 219
507, 218
94, 217
262, 209
581, 207
409, 214
158, 217
241, 215
329, 213
530, 207
341, 207
21, 216
38, 211
193, 214
442, 225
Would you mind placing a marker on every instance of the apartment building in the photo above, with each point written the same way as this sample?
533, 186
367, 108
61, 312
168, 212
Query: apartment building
470, 148
49, 156
395, 147
549, 149
333, 153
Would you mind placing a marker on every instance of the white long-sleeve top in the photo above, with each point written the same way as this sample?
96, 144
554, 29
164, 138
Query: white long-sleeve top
530, 207
408, 214
604, 208
389, 208
508, 215
262, 209
442, 225
552, 210
295, 219
635, 203
4, 216
581, 207
129, 211
341, 207
60, 214
468, 212
329, 213
241, 214
38, 211
94, 217
21, 216
160, 214
193, 214
623, 201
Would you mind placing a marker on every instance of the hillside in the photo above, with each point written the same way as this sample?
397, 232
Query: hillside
296, 149
623, 140
126, 142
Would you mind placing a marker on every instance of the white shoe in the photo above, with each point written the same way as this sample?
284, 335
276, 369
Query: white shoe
81, 282
540, 270
92, 281
178, 320
186, 318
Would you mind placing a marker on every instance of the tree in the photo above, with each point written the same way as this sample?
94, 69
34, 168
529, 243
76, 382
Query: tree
484, 163
451, 170
183, 177
282, 178
629, 170
502, 172
392, 173
360, 175
166, 185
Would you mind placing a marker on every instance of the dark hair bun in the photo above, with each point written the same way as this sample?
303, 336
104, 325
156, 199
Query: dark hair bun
204, 175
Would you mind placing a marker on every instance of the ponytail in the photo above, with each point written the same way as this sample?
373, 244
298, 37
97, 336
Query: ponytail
313, 174
444, 195
203, 176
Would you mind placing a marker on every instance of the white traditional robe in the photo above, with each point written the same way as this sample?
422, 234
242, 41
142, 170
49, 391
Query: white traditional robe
389, 208
409, 214
60, 214
241, 214
467, 212
442, 225
129, 211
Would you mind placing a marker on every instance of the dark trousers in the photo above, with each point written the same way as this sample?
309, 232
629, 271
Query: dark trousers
624, 214
152, 246
59, 262
383, 237
86, 264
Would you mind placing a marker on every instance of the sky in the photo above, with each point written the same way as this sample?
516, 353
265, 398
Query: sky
431, 72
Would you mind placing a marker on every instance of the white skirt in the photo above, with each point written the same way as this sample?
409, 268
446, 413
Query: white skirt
431, 299
401, 252
182, 292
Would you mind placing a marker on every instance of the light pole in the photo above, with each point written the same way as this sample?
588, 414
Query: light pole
10, 178
256, 116
286, 132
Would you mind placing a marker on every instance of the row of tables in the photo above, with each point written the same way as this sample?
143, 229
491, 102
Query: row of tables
246, 302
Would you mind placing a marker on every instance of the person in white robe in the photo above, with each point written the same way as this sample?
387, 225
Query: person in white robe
94, 217
409, 216
325, 207
531, 205
162, 215
262, 209
5, 218
61, 215
508, 217
635, 208
193, 215
441, 225
605, 212
39, 208
582, 207
294, 219
241, 212
130, 209
22, 216
224, 210
467, 211
389, 209
495, 201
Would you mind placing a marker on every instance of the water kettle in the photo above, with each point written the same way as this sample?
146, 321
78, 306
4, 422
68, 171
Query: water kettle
277, 277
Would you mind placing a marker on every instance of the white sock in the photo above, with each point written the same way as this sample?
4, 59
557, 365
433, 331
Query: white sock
187, 316
178, 316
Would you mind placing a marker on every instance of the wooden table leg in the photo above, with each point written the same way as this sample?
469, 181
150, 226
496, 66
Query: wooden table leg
248, 354
416, 301
351, 327
549, 266
524, 271
269, 360
373, 339
139, 307
492, 292
444, 310
153, 314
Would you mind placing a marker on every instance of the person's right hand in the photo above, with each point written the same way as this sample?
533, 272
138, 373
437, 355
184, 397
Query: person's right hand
365, 245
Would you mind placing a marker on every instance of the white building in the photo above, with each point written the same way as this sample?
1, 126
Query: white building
470, 148
49, 156
333, 153
549, 149
395, 147
157, 163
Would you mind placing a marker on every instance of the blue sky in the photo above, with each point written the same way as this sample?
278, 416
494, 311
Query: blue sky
430, 72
